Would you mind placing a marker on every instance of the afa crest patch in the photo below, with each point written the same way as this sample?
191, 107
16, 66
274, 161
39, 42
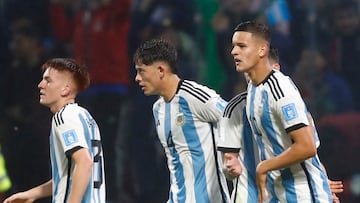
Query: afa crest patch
70, 137
180, 119
289, 111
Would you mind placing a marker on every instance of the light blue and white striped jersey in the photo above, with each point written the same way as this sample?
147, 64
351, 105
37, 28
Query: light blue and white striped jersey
186, 127
236, 137
274, 109
74, 128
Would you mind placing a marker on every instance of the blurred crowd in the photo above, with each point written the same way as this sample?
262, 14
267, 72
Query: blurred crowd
318, 43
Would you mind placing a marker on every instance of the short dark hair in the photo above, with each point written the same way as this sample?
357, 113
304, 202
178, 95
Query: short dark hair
79, 71
156, 50
255, 28
274, 55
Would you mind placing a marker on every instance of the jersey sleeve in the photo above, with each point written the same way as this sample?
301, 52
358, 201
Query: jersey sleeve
291, 108
206, 104
71, 132
230, 129
213, 109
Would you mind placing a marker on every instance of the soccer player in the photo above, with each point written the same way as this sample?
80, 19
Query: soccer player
240, 150
289, 168
75, 144
186, 115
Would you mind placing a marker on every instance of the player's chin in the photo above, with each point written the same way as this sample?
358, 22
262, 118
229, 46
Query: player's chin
149, 92
240, 69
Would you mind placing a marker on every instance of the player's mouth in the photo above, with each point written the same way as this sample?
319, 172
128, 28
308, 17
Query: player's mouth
142, 87
237, 61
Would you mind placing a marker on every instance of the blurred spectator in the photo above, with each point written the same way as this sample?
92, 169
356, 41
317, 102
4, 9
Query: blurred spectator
323, 91
345, 44
213, 74
35, 10
340, 142
162, 25
309, 25
4, 35
278, 17
96, 33
23, 122
5, 182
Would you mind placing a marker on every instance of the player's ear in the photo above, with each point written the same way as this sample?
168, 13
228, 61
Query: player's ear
263, 49
65, 90
161, 71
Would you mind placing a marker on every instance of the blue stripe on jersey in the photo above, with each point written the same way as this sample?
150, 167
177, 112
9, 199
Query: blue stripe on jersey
249, 158
286, 175
88, 116
198, 158
100, 175
288, 183
254, 126
87, 195
316, 162
271, 189
268, 126
180, 179
55, 176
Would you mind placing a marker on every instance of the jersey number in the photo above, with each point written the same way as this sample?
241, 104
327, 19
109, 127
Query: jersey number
96, 144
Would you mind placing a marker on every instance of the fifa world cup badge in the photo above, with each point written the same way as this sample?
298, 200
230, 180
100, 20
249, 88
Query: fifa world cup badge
180, 119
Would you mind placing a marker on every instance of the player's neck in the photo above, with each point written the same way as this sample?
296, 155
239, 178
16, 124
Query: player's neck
260, 72
57, 106
170, 87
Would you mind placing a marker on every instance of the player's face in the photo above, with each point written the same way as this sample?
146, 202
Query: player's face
245, 51
148, 77
52, 87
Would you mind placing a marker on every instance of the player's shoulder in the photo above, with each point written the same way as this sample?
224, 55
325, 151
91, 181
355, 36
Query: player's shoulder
193, 90
237, 103
279, 85
68, 112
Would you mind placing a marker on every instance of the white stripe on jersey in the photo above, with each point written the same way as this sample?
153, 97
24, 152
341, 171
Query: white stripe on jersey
236, 136
185, 128
275, 108
74, 128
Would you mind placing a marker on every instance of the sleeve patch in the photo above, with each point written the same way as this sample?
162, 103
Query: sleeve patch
289, 111
70, 137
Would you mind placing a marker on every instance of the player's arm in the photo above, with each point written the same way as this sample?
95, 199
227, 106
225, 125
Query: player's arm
303, 147
41, 191
82, 174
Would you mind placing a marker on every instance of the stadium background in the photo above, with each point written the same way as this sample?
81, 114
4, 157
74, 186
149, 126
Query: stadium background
318, 43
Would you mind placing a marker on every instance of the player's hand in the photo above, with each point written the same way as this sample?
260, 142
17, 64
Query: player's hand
261, 180
336, 186
232, 167
335, 198
21, 197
